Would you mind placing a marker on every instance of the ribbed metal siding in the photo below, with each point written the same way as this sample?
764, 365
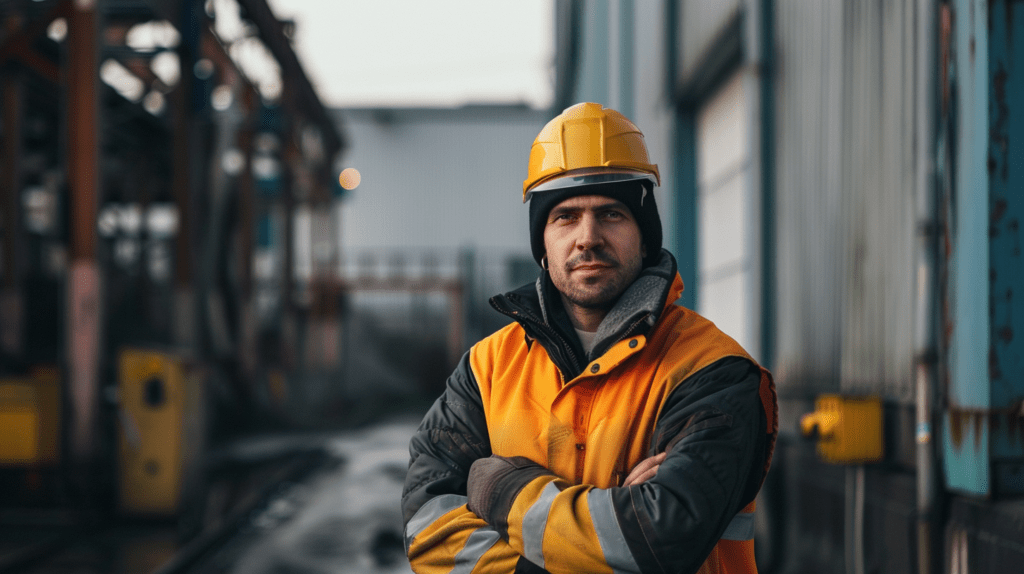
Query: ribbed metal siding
844, 189
807, 163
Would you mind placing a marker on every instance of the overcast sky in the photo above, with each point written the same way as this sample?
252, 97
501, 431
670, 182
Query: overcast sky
443, 52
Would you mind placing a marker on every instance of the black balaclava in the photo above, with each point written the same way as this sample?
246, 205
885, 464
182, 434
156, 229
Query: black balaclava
637, 195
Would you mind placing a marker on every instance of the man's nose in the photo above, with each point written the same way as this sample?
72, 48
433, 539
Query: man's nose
590, 235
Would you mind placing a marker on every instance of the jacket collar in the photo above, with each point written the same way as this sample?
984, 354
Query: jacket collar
538, 308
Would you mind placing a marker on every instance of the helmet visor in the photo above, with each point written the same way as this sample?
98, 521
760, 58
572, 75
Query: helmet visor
588, 177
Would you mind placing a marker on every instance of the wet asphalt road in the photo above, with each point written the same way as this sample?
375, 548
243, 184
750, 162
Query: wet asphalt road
344, 519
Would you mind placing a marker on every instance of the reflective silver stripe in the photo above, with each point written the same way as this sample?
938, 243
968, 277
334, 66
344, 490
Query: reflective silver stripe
535, 522
613, 543
479, 541
434, 508
741, 527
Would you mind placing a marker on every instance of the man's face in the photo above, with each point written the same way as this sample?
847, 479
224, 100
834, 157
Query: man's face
594, 249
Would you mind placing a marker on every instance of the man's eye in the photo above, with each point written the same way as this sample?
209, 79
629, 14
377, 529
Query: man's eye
613, 215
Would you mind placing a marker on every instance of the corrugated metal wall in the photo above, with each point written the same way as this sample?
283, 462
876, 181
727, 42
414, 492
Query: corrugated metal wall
844, 188
808, 191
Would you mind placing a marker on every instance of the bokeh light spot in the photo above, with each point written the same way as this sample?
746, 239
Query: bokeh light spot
349, 178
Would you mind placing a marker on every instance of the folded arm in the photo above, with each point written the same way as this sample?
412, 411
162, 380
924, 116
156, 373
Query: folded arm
713, 429
441, 534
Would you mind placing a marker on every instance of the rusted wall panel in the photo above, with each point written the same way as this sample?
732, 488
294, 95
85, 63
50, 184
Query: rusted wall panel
984, 422
1005, 166
965, 437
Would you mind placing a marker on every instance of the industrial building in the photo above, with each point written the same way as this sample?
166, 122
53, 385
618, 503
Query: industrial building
843, 179
180, 270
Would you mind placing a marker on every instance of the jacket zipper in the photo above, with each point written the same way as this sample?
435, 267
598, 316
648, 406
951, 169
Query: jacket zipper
554, 335
550, 332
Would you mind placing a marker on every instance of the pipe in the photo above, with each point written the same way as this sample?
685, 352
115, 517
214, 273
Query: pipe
854, 519
926, 256
858, 520
568, 21
621, 81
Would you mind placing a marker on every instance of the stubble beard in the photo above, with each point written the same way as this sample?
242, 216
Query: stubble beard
608, 289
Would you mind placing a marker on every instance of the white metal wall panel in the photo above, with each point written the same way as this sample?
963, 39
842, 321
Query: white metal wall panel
723, 133
725, 223
726, 301
725, 234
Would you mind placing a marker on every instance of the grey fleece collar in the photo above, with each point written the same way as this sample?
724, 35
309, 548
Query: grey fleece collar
641, 301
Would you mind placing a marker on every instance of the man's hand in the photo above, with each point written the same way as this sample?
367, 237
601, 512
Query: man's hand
494, 481
484, 476
644, 470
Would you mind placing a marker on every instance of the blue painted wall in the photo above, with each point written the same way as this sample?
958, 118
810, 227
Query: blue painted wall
983, 431
1006, 212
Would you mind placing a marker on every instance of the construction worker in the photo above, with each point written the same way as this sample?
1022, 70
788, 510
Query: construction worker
606, 429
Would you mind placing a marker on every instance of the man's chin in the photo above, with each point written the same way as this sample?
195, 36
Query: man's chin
592, 299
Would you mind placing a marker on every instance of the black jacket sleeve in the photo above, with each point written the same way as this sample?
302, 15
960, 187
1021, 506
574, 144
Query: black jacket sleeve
713, 427
441, 533
451, 436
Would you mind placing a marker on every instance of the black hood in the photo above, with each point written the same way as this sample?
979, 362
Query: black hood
538, 308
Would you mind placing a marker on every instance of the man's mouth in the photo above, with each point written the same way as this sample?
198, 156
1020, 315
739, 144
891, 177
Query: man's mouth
591, 262
591, 267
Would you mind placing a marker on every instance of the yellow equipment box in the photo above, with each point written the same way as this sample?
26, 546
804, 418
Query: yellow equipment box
161, 430
29, 422
848, 429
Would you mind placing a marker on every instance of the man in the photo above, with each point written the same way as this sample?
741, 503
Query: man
606, 429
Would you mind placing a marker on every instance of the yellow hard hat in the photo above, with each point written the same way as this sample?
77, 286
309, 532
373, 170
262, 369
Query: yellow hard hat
587, 140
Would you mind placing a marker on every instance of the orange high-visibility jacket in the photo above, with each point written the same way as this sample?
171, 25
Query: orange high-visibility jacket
660, 378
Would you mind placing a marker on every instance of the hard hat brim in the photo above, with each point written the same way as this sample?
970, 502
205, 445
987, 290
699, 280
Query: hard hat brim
588, 179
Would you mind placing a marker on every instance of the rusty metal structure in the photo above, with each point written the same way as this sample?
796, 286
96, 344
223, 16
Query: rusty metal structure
154, 158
